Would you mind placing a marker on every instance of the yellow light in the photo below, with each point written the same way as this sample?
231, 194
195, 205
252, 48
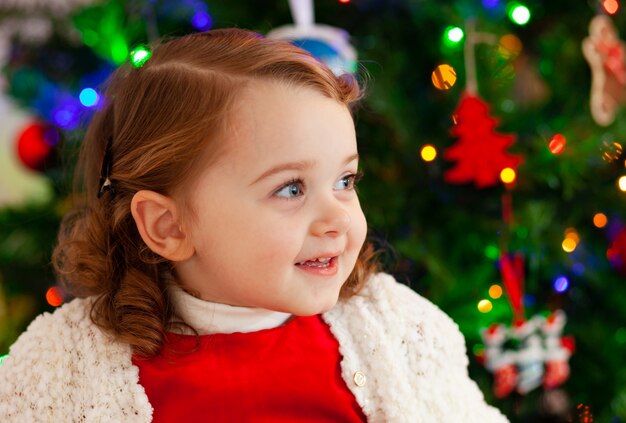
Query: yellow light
444, 77
568, 245
507, 175
484, 306
572, 233
622, 183
495, 291
600, 220
428, 153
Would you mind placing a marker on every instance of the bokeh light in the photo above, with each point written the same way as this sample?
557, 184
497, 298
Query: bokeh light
561, 284
490, 4
572, 233
495, 291
622, 183
519, 14
485, 306
2, 357
600, 220
201, 20
428, 153
492, 251
54, 296
510, 46
557, 144
568, 245
508, 175
139, 56
89, 97
454, 34
444, 77
611, 6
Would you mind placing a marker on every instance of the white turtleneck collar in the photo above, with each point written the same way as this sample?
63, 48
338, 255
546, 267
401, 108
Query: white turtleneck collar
209, 318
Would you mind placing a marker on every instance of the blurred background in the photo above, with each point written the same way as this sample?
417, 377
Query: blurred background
491, 141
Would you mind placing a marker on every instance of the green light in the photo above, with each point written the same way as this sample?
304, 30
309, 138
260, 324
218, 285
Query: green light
519, 14
492, 252
139, 56
2, 357
454, 34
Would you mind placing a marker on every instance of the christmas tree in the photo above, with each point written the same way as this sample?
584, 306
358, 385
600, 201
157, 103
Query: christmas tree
501, 253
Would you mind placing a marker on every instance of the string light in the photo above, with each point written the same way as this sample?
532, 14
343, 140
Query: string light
54, 296
428, 153
600, 220
507, 175
622, 183
139, 56
557, 144
561, 284
519, 14
611, 151
572, 233
485, 306
444, 77
89, 97
568, 245
611, 6
454, 34
495, 291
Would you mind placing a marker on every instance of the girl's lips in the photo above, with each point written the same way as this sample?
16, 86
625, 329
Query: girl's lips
329, 270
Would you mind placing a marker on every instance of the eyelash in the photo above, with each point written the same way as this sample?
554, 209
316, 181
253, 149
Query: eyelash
353, 177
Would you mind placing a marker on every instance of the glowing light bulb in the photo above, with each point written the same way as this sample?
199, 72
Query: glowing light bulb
611, 6
622, 183
568, 245
600, 220
572, 233
557, 144
495, 291
519, 14
485, 306
140, 56
428, 153
561, 284
54, 297
454, 34
507, 175
89, 97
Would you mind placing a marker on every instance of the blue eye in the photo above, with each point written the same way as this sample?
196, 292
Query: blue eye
349, 182
292, 189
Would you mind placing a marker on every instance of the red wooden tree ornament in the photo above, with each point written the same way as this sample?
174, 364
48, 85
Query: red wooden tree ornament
480, 152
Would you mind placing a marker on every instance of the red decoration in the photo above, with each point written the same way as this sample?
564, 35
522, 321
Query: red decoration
480, 152
512, 271
35, 143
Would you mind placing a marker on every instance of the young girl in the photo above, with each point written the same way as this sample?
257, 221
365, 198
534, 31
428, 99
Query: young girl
220, 263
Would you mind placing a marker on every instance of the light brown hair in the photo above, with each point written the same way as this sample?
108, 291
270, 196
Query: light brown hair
161, 118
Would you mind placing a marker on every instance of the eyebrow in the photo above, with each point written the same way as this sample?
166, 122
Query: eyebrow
300, 165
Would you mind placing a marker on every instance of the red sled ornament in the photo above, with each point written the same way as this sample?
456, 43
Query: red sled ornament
480, 152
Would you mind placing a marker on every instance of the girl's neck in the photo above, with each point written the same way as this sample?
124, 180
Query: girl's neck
209, 318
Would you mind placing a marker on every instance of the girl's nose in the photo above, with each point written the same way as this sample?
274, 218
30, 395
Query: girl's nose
332, 219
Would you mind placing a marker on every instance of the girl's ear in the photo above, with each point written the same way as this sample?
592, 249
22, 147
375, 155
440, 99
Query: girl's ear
157, 219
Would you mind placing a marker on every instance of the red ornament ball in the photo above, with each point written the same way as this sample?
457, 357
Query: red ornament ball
35, 144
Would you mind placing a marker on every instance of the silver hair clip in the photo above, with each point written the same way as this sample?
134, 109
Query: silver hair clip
105, 170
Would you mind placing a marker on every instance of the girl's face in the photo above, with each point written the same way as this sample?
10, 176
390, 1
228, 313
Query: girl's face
277, 204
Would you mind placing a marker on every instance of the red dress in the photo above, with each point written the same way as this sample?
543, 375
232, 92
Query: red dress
290, 373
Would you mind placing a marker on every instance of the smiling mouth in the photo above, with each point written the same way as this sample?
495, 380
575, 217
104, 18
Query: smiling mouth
322, 262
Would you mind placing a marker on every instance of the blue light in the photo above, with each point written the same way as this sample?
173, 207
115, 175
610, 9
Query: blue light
201, 21
89, 97
66, 115
490, 4
561, 284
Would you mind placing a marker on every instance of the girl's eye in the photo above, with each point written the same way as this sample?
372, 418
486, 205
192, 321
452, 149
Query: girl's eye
349, 182
292, 189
